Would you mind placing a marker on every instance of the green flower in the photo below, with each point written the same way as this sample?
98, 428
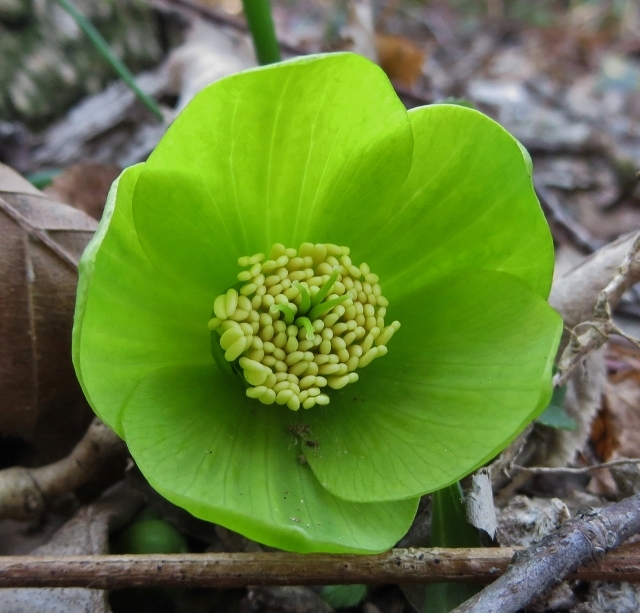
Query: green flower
437, 202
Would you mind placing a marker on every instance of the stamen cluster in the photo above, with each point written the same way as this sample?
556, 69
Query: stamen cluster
303, 320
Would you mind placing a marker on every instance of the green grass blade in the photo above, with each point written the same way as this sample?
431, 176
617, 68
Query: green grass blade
103, 47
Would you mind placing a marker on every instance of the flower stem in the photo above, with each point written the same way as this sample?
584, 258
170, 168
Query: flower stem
449, 528
258, 14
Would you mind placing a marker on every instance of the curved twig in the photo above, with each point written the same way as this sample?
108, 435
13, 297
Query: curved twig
25, 493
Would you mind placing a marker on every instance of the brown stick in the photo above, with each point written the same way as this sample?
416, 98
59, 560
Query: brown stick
26, 492
224, 570
580, 541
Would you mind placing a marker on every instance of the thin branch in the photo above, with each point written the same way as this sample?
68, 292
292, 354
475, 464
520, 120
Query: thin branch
556, 213
582, 540
224, 570
41, 235
544, 470
25, 493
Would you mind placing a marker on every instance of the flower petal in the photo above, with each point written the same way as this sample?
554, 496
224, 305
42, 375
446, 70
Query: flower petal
130, 318
287, 153
227, 459
468, 369
468, 203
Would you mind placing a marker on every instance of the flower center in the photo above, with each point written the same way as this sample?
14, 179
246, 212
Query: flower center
300, 322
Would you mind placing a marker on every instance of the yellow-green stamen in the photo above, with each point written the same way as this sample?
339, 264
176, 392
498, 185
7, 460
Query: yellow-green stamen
300, 321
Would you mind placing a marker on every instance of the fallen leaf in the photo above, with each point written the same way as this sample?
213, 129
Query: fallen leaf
41, 241
616, 433
400, 58
85, 186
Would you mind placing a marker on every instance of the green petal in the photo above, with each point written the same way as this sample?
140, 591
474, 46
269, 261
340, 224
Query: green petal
468, 203
230, 460
468, 369
288, 153
130, 318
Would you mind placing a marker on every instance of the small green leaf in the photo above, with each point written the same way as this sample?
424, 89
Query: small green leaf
555, 416
43, 178
343, 596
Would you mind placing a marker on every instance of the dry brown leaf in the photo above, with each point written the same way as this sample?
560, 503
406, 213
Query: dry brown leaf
41, 242
84, 185
616, 432
400, 58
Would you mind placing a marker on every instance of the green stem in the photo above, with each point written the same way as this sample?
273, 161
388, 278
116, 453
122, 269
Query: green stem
449, 528
103, 47
258, 14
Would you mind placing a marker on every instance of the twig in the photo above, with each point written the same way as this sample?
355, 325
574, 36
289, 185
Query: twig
556, 214
580, 541
41, 235
565, 470
224, 570
591, 335
26, 492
